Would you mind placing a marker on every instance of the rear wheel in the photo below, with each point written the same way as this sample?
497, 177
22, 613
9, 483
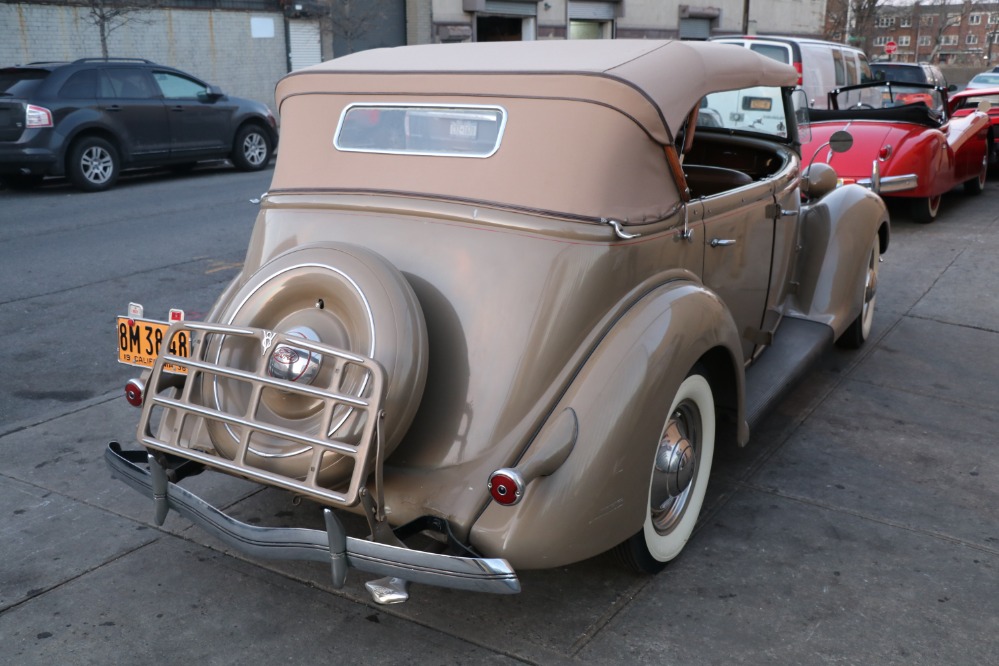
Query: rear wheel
93, 164
679, 478
860, 329
251, 151
924, 209
977, 185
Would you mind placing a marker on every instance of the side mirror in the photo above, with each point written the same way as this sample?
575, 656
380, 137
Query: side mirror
212, 94
984, 106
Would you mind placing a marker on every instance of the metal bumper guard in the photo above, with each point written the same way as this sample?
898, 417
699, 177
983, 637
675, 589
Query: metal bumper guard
396, 563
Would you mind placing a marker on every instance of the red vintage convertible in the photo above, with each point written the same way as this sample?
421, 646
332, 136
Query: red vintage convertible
968, 101
907, 144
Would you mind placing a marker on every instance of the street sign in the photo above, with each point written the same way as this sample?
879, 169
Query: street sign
890, 47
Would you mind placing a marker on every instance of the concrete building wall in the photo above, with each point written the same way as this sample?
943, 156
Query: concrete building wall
654, 19
217, 46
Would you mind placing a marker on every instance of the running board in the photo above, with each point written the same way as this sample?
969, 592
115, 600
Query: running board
797, 345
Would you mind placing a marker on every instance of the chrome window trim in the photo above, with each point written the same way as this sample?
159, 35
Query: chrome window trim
402, 105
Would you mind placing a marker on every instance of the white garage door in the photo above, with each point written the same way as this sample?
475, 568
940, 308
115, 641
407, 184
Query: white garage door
303, 40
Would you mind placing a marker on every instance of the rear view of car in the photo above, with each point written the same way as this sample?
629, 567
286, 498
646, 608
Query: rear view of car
92, 118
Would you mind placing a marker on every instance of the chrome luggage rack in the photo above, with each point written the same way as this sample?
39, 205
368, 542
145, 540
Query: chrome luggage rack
180, 401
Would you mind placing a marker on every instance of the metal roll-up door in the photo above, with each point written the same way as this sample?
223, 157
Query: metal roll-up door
511, 8
591, 11
695, 28
303, 44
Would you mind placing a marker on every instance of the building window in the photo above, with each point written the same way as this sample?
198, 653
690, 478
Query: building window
993, 19
924, 40
903, 40
886, 21
926, 20
971, 39
905, 22
948, 40
881, 41
975, 19
994, 37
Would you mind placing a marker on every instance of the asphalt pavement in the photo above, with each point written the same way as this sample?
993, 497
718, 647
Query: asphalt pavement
859, 526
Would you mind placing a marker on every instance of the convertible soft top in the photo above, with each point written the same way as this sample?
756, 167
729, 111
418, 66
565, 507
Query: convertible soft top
657, 82
585, 122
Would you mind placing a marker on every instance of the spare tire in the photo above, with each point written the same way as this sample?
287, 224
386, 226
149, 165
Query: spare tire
341, 295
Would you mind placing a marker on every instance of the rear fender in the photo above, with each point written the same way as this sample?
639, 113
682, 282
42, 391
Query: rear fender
597, 497
836, 234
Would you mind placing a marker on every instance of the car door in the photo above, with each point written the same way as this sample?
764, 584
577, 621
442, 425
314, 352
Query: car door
132, 105
738, 249
199, 121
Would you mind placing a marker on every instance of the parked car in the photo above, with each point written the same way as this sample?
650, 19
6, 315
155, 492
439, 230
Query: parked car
821, 65
966, 102
512, 295
92, 118
907, 147
983, 80
910, 72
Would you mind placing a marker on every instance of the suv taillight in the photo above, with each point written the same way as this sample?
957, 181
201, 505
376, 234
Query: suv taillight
38, 116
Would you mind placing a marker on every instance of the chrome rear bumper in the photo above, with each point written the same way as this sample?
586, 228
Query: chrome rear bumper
293, 543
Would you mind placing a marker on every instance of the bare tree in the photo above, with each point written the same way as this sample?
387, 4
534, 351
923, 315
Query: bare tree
109, 15
352, 20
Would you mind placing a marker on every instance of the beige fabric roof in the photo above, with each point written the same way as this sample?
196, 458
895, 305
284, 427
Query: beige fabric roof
656, 82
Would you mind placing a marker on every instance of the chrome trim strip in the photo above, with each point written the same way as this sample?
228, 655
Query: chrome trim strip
492, 575
894, 183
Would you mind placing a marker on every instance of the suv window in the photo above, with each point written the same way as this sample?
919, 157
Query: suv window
20, 82
129, 83
179, 87
81, 85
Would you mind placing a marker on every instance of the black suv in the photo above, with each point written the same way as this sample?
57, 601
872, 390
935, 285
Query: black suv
91, 118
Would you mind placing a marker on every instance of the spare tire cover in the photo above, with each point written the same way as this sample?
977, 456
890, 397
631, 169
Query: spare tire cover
341, 295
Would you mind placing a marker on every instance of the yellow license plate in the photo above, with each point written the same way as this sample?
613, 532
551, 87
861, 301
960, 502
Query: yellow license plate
139, 342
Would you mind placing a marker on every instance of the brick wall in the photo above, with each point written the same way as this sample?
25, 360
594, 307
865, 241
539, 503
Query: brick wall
216, 46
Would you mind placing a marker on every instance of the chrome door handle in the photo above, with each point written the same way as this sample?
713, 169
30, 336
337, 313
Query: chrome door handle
716, 242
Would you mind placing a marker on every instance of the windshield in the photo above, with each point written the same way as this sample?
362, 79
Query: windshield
890, 95
759, 110
20, 82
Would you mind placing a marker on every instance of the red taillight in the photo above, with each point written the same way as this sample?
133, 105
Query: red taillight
506, 486
37, 116
797, 66
135, 391
884, 153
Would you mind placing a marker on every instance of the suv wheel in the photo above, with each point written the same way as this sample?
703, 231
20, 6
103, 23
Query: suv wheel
251, 151
93, 164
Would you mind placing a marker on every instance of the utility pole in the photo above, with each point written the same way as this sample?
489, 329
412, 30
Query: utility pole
745, 17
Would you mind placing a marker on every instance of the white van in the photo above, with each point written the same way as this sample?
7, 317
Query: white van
822, 66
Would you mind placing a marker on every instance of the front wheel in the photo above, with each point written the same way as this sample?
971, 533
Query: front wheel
251, 151
860, 329
679, 478
924, 209
93, 164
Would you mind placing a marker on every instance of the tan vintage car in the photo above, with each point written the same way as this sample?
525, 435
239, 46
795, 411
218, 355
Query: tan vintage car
510, 296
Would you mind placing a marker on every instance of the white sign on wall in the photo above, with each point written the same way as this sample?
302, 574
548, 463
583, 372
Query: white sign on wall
261, 27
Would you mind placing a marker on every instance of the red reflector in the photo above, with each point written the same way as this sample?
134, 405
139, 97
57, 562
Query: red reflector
506, 487
797, 66
884, 153
134, 392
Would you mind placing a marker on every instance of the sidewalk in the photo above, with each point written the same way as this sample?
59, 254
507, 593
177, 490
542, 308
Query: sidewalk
860, 526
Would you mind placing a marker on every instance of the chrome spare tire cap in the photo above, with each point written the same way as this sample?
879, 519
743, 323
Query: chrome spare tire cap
295, 364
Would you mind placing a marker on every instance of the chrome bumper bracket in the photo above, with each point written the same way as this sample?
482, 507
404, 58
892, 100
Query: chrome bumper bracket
476, 574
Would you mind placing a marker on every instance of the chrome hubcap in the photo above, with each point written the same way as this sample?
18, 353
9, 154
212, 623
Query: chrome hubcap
675, 472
